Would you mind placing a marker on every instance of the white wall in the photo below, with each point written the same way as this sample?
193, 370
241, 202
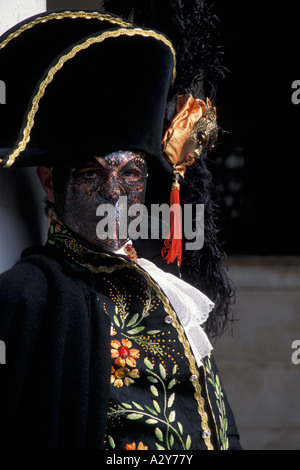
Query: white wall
14, 11
260, 378
22, 222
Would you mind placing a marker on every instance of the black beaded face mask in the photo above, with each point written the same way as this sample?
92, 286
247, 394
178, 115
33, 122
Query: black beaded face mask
100, 181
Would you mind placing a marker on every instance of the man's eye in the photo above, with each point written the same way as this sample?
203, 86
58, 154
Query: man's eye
132, 175
89, 174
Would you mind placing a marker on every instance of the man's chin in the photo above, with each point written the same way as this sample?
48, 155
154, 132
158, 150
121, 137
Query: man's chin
106, 244
112, 245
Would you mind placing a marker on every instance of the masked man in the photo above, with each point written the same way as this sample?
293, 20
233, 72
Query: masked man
105, 348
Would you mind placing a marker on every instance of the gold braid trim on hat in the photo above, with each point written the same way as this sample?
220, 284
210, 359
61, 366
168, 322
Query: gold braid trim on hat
66, 14
70, 55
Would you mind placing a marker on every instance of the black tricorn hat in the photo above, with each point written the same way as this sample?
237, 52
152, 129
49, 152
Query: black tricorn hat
93, 84
27, 49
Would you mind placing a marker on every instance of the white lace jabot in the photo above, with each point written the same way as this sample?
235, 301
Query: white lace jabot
191, 306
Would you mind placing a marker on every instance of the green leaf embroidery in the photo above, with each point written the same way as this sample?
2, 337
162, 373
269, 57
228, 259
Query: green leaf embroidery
159, 447
180, 428
211, 381
148, 364
162, 371
139, 407
156, 406
171, 400
152, 379
111, 442
134, 416
171, 384
136, 330
151, 421
188, 442
151, 410
215, 381
154, 390
133, 320
159, 434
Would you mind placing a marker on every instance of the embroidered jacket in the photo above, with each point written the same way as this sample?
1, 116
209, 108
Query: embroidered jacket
96, 358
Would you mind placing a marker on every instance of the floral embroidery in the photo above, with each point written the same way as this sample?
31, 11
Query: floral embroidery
123, 375
134, 347
125, 356
132, 446
151, 357
131, 329
161, 414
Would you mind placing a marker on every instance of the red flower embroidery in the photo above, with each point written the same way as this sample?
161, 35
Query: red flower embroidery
124, 354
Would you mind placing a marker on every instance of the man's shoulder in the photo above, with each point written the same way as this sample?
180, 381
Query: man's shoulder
30, 275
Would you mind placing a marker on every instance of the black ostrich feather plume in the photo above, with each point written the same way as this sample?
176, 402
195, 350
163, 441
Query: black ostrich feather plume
192, 28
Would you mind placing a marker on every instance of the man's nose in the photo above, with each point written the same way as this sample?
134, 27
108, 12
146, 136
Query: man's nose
113, 188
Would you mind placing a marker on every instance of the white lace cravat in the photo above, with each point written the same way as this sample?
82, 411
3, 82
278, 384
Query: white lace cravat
191, 306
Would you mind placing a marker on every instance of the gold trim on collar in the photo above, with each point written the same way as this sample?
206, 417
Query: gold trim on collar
66, 14
70, 55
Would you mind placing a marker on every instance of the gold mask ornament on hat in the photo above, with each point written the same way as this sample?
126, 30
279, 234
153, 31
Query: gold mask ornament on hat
193, 130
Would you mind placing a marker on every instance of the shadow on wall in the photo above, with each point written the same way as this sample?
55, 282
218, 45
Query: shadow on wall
22, 222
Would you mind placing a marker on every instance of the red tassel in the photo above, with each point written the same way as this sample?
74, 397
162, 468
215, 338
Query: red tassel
173, 244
